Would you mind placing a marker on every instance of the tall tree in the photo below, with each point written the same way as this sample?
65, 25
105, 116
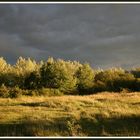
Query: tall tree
55, 74
85, 76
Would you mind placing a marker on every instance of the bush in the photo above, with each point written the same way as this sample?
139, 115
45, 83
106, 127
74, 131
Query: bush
4, 91
99, 87
31, 93
49, 92
32, 81
114, 80
136, 72
136, 84
124, 81
124, 90
15, 92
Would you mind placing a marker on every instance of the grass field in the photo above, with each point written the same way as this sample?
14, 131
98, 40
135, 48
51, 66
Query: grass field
102, 114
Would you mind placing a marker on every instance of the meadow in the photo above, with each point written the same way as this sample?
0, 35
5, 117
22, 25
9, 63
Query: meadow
101, 114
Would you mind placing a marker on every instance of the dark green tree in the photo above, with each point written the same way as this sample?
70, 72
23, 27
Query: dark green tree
55, 74
32, 81
114, 80
85, 79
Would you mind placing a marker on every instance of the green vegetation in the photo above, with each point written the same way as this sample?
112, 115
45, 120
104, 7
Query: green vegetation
103, 114
28, 77
85, 77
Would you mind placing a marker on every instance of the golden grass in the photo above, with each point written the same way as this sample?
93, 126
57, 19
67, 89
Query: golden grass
99, 114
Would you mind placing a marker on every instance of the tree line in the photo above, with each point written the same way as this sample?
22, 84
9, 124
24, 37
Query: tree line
58, 76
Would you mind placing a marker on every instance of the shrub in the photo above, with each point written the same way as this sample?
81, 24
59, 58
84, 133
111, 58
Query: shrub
4, 91
136, 84
32, 93
15, 92
99, 86
32, 81
124, 90
49, 92
126, 81
114, 80
136, 72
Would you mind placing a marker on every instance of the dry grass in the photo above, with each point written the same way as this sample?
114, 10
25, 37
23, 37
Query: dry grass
102, 114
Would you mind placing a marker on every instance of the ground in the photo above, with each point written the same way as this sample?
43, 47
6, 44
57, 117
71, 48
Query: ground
101, 114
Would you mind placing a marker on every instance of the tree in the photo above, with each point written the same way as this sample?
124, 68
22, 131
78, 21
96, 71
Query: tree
32, 81
55, 74
136, 72
124, 81
4, 67
113, 80
85, 77
23, 68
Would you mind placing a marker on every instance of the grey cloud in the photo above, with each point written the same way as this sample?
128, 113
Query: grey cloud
104, 35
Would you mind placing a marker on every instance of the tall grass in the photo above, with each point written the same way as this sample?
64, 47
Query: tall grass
103, 114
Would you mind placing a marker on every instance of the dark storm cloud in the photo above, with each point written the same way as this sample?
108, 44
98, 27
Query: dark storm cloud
104, 35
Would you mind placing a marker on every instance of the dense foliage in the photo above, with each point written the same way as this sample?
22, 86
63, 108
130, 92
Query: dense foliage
56, 76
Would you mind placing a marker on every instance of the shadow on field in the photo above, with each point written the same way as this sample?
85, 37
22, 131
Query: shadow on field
41, 104
35, 128
33, 104
70, 126
138, 103
120, 126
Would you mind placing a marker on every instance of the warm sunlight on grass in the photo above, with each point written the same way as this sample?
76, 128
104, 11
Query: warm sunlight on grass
102, 114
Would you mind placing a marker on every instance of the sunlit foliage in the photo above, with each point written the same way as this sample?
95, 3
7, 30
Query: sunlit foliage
69, 77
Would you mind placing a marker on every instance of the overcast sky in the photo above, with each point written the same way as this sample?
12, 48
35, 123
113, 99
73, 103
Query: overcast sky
105, 35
